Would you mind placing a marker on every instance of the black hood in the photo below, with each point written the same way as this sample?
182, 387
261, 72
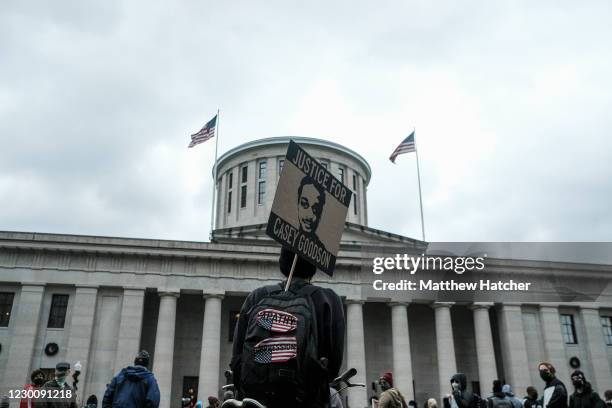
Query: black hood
461, 379
303, 268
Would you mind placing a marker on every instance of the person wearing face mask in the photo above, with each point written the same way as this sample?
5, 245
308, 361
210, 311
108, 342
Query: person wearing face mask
60, 383
431, 403
390, 397
38, 380
555, 393
608, 398
584, 396
460, 396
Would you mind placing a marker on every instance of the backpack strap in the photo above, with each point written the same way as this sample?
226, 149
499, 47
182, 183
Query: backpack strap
302, 288
308, 289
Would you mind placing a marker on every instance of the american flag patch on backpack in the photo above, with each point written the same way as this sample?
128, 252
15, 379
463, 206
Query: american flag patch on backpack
275, 350
276, 320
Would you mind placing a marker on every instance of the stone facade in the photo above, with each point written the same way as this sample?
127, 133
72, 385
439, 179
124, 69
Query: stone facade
178, 299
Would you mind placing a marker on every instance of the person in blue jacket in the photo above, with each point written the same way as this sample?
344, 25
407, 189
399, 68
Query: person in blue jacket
134, 386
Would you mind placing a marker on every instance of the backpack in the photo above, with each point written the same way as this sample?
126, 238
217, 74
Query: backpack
397, 400
279, 361
497, 402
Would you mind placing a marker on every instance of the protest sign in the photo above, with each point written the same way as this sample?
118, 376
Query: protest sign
309, 209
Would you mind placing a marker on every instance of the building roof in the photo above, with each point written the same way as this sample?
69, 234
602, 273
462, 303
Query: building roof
283, 140
355, 235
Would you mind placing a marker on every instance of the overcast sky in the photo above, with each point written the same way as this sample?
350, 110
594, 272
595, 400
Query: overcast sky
511, 101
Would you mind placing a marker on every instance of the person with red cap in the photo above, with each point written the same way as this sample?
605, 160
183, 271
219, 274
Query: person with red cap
390, 397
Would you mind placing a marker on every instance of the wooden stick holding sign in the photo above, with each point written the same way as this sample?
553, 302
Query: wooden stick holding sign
309, 210
295, 257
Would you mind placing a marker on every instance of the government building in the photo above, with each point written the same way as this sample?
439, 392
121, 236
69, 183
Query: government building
99, 300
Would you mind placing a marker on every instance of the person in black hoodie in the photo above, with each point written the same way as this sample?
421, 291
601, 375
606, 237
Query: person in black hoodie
330, 327
134, 386
608, 397
460, 396
555, 393
531, 399
584, 396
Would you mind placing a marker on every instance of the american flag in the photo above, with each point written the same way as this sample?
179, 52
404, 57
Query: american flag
406, 146
276, 320
275, 350
207, 132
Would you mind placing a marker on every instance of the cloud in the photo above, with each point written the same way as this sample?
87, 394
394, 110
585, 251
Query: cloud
510, 103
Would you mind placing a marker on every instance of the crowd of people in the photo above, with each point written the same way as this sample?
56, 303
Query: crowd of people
554, 395
135, 387
288, 348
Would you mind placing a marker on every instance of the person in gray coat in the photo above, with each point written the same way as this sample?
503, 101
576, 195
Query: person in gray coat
516, 403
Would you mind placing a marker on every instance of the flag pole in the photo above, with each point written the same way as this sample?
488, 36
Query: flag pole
214, 184
416, 151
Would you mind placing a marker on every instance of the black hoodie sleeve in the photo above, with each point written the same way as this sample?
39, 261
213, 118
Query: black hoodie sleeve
559, 397
330, 329
336, 338
109, 394
465, 400
239, 334
596, 401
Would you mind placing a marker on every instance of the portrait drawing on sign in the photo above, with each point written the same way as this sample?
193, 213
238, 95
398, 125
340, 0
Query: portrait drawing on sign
311, 200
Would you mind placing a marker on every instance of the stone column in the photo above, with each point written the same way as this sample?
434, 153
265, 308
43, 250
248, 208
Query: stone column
554, 345
222, 209
355, 351
25, 323
211, 342
402, 358
81, 328
514, 348
447, 364
130, 327
601, 378
164, 345
485, 353
102, 358
363, 211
